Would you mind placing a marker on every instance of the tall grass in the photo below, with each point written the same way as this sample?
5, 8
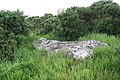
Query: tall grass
111, 40
32, 64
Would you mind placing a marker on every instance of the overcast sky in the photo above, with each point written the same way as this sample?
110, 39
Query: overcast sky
39, 7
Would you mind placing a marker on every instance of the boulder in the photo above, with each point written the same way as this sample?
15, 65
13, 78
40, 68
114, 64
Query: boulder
78, 49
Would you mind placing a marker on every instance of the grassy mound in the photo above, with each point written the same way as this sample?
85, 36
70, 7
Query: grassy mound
32, 64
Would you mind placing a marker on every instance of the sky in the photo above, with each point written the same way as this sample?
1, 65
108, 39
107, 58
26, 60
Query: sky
40, 7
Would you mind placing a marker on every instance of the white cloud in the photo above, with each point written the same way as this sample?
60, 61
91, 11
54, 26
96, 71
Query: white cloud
39, 7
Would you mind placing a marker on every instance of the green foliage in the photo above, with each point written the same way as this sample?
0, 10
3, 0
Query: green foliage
12, 27
117, 47
98, 8
108, 25
35, 21
76, 22
72, 24
106, 17
101, 17
111, 40
31, 64
38, 22
49, 25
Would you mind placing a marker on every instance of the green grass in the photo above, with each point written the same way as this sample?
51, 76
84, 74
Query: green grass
111, 40
32, 64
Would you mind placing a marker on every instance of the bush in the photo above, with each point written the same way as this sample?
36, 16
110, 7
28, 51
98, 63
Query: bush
49, 25
106, 17
13, 27
71, 26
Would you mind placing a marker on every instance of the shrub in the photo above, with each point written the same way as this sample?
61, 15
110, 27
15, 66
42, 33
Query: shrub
49, 25
13, 26
71, 26
106, 17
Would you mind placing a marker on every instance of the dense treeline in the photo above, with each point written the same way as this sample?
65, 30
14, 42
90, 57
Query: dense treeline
100, 17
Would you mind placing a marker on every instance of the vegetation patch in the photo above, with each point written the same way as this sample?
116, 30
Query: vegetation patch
19, 60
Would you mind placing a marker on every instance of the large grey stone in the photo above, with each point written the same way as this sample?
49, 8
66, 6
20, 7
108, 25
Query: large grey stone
78, 49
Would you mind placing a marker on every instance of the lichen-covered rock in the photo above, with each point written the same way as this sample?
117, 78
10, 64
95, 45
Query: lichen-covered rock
78, 49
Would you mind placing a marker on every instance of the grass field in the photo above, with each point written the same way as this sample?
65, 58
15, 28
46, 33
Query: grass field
32, 64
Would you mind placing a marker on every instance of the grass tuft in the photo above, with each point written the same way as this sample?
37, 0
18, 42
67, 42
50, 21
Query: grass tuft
32, 64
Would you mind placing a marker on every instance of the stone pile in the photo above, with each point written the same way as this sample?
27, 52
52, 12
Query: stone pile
78, 49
